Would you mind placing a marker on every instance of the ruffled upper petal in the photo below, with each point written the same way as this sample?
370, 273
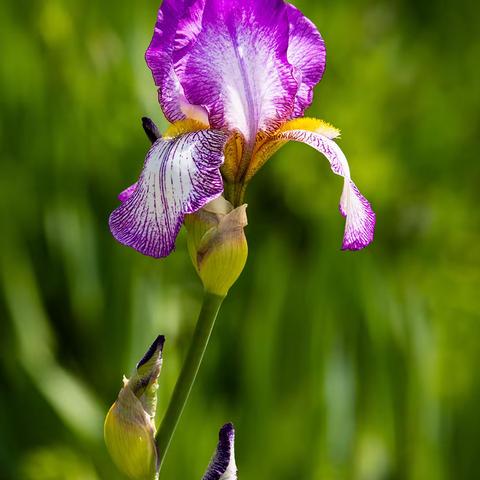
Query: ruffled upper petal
177, 21
222, 466
180, 176
306, 52
360, 218
244, 64
237, 67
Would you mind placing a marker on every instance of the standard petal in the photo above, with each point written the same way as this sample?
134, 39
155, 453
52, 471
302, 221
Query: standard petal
237, 67
360, 218
177, 21
180, 176
222, 466
306, 52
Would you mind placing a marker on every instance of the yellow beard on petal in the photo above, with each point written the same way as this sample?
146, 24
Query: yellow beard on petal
266, 145
184, 126
311, 125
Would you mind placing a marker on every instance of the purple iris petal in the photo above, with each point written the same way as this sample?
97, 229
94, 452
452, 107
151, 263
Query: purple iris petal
251, 64
180, 176
248, 64
360, 218
306, 52
222, 466
238, 69
176, 19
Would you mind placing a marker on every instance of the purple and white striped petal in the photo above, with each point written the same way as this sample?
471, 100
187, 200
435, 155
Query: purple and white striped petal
237, 67
177, 20
180, 176
306, 52
360, 218
222, 465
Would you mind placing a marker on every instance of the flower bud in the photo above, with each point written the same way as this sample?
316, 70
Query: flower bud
222, 466
217, 244
130, 423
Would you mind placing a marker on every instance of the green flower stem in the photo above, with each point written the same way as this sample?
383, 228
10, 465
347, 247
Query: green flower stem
201, 335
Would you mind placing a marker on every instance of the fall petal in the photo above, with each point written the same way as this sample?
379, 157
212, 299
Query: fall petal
180, 176
360, 218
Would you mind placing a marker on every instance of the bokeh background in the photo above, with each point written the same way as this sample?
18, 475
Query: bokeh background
332, 365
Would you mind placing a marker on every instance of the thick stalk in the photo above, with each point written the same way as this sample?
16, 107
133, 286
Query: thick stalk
201, 335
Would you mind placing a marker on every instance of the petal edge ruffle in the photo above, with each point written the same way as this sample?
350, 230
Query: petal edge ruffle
176, 19
307, 53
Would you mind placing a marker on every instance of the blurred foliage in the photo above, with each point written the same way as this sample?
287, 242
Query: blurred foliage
332, 365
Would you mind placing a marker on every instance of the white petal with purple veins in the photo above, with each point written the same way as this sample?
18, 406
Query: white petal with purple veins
180, 176
360, 218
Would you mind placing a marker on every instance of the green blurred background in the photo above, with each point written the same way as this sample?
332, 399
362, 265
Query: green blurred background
332, 365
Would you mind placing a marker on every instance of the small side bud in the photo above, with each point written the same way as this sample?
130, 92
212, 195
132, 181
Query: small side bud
129, 428
222, 466
129, 436
217, 244
150, 129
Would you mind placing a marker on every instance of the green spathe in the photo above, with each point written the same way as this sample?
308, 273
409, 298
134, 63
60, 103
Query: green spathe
129, 428
129, 436
217, 244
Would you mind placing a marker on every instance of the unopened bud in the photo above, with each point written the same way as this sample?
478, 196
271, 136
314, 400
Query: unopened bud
222, 465
151, 129
217, 244
130, 423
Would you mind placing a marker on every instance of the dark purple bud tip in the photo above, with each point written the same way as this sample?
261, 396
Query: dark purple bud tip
151, 129
157, 345
226, 437
222, 465
227, 432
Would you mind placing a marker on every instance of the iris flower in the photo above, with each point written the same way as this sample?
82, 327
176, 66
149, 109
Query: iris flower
234, 79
